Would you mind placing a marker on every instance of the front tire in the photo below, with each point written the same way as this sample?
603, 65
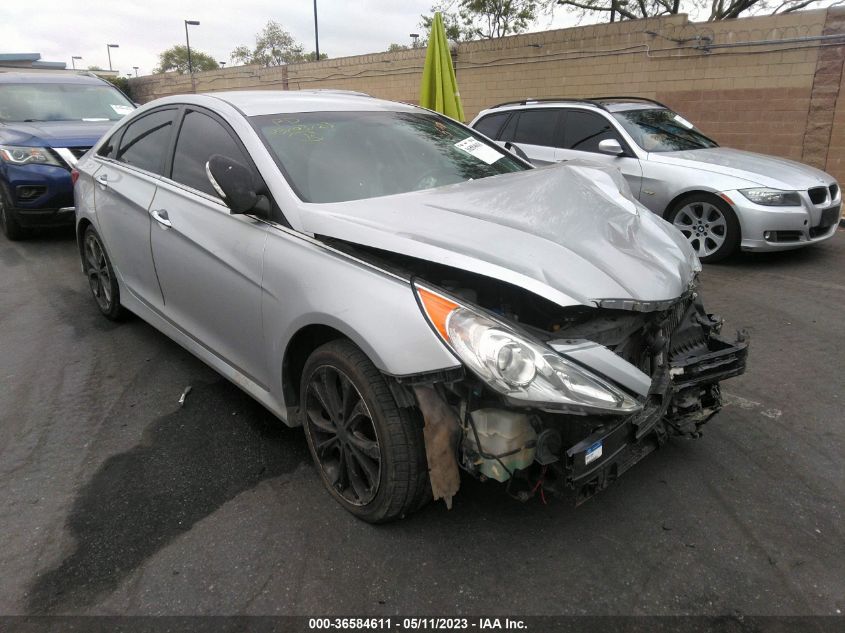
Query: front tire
101, 278
8, 223
370, 453
709, 224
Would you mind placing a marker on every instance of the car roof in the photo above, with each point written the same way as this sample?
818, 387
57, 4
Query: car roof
260, 102
50, 78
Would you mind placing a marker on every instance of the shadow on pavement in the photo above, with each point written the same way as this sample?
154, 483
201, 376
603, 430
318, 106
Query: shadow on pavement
188, 464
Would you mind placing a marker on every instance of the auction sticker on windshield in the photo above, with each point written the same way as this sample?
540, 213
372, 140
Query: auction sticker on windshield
479, 150
122, 110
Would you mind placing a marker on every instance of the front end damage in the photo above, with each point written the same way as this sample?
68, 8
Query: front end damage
669, 356
580, 341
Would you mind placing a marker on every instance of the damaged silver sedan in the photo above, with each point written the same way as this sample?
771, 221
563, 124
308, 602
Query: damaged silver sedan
419, 299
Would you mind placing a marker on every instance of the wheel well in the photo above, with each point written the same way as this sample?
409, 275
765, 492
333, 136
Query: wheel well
80, 231
686, 194
299, 348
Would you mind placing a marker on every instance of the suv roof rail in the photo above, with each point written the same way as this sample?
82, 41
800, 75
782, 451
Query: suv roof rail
627, 98
546, 100
593, 101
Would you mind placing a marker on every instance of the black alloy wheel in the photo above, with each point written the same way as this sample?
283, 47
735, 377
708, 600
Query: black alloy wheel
370, 452
343, 435
100, 275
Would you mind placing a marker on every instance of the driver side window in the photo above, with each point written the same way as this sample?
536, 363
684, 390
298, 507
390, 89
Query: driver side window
200, 137
585, 130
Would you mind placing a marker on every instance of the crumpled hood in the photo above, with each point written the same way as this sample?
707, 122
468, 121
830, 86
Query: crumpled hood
54, 133
563, 232
767, 171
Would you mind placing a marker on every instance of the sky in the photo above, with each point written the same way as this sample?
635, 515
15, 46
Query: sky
59, 29
144, 28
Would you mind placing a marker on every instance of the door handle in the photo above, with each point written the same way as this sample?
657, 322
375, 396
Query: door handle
160, 216
103, 180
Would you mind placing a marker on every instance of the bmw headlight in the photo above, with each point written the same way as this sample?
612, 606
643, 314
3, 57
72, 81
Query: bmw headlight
516, 365
773, 197
27, 155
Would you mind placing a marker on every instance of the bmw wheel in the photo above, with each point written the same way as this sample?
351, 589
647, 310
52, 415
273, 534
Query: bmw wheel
369, 452
709, 224
100, 275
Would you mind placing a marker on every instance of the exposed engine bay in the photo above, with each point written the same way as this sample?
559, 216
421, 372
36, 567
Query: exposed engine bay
674, 358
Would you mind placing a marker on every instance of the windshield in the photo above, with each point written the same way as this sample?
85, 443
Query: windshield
661, 130
341, 156
62, 102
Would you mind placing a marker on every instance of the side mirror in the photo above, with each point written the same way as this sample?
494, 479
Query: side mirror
516, 149
236, 183
611, 146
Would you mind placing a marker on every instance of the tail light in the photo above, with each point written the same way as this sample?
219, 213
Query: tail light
74, 176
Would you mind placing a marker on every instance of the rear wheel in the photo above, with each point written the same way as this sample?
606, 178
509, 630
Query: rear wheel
709, 224
100, 275
370, 453
8, 223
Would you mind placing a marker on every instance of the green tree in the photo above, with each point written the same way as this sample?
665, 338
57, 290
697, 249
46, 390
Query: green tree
94, 68
636, 9
474, 19
312, 56
121, 83
397, 47
274, 46
175, 59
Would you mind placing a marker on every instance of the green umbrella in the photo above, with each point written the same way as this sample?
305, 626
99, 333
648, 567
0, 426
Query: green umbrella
439, 89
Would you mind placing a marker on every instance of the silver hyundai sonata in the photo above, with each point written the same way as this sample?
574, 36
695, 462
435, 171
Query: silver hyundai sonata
419, 299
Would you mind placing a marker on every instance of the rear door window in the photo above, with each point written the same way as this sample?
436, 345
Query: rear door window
583, 131
536, 127
200, 137
145, 141
491, 125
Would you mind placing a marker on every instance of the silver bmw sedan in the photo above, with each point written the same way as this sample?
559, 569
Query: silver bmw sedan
420, 300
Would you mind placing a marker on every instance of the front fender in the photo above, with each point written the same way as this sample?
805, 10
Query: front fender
307, 283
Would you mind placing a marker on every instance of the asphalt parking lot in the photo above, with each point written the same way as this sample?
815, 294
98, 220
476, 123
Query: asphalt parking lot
114, 500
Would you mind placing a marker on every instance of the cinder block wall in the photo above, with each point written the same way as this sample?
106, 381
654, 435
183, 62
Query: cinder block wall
765, 84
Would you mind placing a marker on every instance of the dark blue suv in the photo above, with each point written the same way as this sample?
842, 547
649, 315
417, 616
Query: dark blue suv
47, 122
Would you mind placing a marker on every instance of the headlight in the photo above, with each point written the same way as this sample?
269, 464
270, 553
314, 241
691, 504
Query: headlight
773, 197
26, 155
514, 364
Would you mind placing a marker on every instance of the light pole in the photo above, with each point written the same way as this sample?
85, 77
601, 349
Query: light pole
316, 32
73, 61
414, 37
222, 64
108, 50
135, 68
188, 42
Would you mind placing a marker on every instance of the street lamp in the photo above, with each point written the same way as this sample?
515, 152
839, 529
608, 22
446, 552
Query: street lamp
222, 64
188, 42
108, 50
73, 61
135, 68
316, 33
414, 37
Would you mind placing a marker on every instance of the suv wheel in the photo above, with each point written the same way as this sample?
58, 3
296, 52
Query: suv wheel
709, 224
100, 275
8, 223
369, 452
